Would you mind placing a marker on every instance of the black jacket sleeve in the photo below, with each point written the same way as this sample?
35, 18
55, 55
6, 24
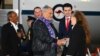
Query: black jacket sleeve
4, 41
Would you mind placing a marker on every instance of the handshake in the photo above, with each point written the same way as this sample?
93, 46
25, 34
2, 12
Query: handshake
63, 41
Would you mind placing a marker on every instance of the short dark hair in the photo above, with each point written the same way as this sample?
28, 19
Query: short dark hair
9, 14
67, 5
36, 8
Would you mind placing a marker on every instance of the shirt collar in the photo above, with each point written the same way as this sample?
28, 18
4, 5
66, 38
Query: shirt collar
14, 25
68, 17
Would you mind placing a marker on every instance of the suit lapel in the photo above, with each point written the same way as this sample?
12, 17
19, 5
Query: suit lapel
12, 28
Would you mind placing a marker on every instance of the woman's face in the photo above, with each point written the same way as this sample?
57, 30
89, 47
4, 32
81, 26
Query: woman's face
73, 20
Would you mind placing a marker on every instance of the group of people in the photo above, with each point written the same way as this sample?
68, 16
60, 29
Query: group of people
43, 38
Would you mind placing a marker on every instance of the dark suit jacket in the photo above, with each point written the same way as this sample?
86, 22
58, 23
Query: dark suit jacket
77, 41
43, 44
63, 32
10, 40
62, 29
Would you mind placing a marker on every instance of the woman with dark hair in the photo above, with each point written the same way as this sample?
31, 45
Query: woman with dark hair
79, 35
83, 22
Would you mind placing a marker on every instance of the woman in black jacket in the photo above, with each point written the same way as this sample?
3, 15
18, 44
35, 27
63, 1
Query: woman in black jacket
78, 35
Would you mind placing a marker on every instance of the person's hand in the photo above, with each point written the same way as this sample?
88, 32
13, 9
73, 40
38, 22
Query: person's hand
61, 42
67, 42
19, 34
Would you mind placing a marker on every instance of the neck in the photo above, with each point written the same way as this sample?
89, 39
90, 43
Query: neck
46, 17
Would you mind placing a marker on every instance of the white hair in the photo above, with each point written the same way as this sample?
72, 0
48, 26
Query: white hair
45, 8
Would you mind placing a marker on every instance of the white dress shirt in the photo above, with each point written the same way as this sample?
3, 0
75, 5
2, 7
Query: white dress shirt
15, 26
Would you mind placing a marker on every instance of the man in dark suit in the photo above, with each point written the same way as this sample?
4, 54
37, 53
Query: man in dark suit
11, 33
44, 39
65, 25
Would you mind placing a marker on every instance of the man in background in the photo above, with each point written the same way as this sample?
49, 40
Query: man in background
37, 12
11, 34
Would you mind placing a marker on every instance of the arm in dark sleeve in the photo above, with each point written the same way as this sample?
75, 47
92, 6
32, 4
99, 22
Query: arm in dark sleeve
61, 30
4, 40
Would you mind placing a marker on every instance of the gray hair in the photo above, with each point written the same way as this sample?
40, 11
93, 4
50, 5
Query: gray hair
46, 7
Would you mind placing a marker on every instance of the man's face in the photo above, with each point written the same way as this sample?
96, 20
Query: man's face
67, 11
13, 17
50, 13
37, 12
